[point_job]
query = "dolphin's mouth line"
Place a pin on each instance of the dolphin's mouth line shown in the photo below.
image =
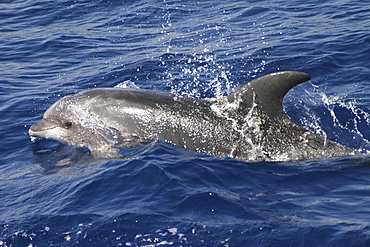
(32, 132)
(35, 134)
(38, 132)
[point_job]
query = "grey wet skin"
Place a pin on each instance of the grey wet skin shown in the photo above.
(248, 124)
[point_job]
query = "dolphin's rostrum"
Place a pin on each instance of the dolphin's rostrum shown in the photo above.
(248, 124)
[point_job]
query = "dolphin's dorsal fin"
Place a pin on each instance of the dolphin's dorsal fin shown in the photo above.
(267, 92)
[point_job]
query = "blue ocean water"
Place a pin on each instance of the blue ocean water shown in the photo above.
(55, 195)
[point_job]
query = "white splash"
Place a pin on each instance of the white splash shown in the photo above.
(33, 139)
(127, 84)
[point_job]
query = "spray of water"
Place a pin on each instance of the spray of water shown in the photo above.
(333, 116)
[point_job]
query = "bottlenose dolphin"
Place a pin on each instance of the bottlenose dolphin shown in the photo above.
(248, 124)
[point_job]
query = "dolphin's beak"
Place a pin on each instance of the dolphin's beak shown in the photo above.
(41, 128)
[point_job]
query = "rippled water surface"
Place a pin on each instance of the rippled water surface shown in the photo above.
(55, 195)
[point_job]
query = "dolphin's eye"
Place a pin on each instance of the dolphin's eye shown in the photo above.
(68, 124)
